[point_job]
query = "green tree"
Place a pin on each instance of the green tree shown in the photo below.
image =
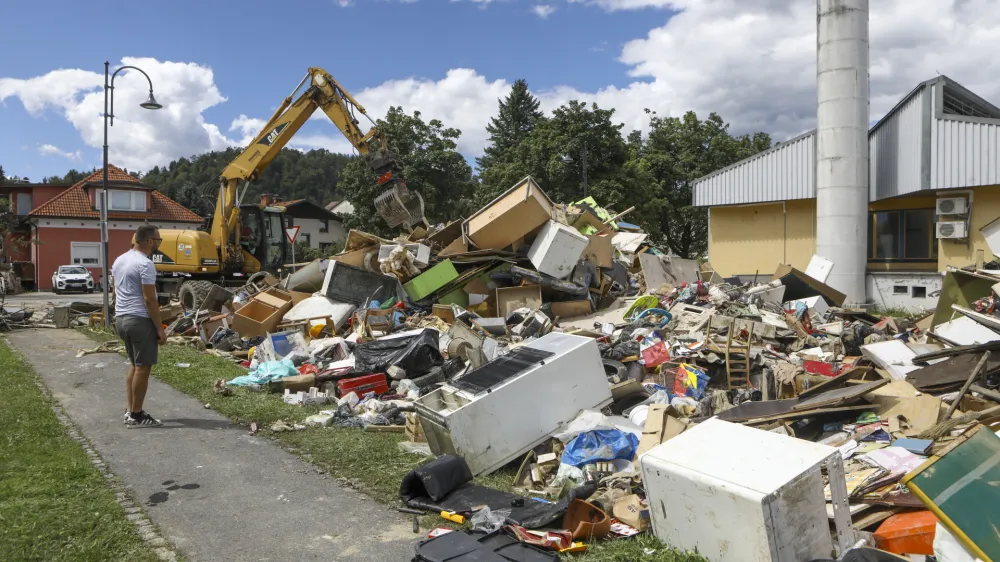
(516, 118)
(432, 166)
(576, 141)
(3, 178)
(678, 151)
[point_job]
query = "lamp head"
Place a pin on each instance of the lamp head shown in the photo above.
(150, 103)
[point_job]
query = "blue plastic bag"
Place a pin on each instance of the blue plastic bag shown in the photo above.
(600, 445)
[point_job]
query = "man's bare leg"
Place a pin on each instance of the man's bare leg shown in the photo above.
(140, 379)
(128, 387)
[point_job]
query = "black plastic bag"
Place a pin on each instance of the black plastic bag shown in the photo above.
(416, 355)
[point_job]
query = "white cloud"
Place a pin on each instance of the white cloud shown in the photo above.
(752, 61)
(543, 10)
(52, 150)
(139, 138)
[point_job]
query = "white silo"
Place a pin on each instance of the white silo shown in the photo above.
(842, 65)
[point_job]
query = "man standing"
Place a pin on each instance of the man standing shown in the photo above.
(137, 319)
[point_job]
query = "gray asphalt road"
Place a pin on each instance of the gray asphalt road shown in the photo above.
(214, 491)
(47, 299)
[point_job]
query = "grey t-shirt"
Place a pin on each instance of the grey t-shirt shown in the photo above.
(131, 271)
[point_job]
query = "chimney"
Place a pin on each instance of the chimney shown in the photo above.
(842, 67)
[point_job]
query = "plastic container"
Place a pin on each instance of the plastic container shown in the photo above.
(907, 533)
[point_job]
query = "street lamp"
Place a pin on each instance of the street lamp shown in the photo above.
(150, 103)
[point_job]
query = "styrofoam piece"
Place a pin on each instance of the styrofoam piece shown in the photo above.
(318, 306)
(893, 356)
(819, 268)
(966, 331)
(556, 249)
(739, 494)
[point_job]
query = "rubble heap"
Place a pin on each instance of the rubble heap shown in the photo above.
(626, 389)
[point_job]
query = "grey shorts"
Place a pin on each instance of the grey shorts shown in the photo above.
(139, 335)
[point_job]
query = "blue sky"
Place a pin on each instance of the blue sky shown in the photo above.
(221, 67)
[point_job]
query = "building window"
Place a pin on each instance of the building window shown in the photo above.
(900, 236)
(900, 290)
(23, 203)
(324, 225)
(122, 200)
(304, 237)
(919, 292)
(85, 253)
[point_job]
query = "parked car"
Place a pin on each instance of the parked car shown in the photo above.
(72, 278)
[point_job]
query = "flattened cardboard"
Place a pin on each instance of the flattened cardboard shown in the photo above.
(599, 251)
(798, 285)
(571, 309)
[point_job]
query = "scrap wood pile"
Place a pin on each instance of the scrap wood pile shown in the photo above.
(622, 388)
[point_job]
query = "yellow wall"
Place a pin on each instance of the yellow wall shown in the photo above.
(985, 209)
(757, 238)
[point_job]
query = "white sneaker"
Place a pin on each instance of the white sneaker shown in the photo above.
(142, 420)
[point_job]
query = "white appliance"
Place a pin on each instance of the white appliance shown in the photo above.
(952, 229)
(739, 494)
(951, 206)
(497, 412)
(556, 249)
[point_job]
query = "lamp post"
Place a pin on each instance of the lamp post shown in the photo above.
(150, 103)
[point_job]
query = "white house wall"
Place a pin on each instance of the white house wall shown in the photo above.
(882, 290)
(335, 233)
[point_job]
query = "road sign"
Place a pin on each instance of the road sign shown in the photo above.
(292, 233)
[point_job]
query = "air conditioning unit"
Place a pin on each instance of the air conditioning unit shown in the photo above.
(952, 229)
(952, 206)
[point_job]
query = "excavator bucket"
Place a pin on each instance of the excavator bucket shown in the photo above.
(399, 206)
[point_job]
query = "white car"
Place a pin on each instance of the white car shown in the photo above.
(72, 278)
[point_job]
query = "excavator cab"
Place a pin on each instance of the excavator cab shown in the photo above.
(263, 235)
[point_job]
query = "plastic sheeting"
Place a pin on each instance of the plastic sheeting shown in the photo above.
(414, 354)
(600, 445)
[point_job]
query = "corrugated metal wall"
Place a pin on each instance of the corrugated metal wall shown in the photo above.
(782, 173)
(964, 154)
(895, 149)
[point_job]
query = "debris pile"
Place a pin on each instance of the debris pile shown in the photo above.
(626, 390)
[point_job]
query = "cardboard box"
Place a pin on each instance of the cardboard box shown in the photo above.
(510, 299)
(571, 309)
(262, 314)
(521, 210)
(599, 250)
(662, 424)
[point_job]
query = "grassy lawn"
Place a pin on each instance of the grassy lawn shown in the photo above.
(54, 505)
(369, 462)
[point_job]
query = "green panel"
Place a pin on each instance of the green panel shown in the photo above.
(458, 296)
(431, 280)
(959, 288)
(963, 485)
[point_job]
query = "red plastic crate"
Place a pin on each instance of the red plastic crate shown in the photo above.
(361, 385)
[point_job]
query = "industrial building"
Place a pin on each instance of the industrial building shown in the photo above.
(933, 174)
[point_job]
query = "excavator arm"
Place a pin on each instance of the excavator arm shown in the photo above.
(397, 205)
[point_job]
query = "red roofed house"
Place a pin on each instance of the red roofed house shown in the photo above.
(63, 226)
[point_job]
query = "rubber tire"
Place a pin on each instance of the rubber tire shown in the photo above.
(613, 368)
(194, 292)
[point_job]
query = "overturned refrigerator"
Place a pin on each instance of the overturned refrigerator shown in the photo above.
(499, 411)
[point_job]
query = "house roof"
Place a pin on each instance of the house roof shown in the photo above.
(75, 202)
(306, 209)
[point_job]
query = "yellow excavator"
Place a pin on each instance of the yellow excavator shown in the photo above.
(244, 239)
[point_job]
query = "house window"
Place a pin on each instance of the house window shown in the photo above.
(324, 225)
(901, 236)
(23, 203)
(304, 237)
(85, 253)
(122, 200)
